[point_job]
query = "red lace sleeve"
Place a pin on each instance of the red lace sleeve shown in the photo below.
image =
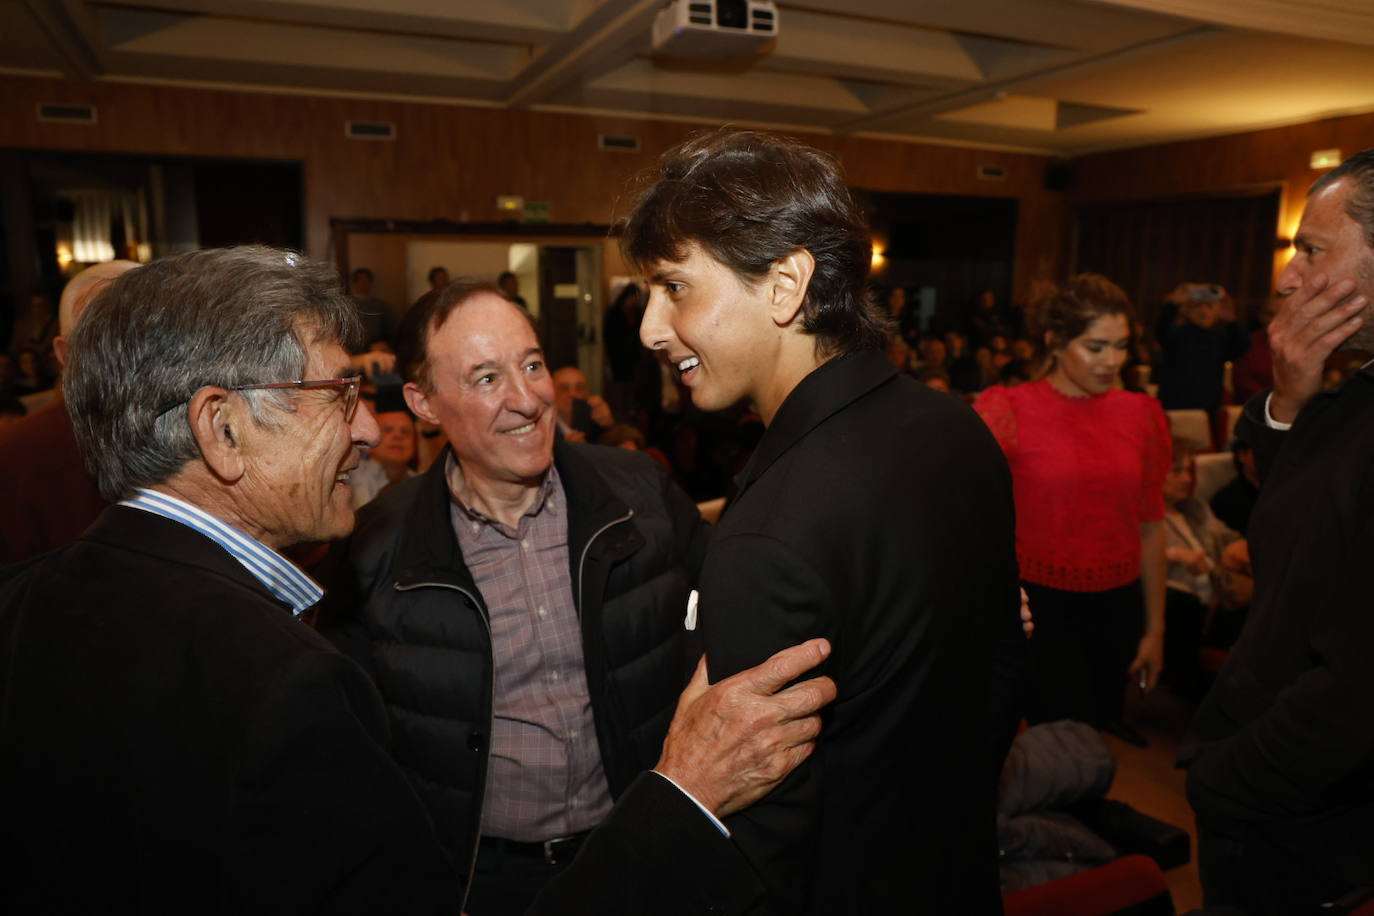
(994, 406)
(1158, 458)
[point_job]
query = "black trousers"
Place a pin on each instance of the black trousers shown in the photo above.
(506, 885)
(1083, 644)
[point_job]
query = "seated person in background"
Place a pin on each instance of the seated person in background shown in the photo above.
(964, 374)
(1207, 572)
(166, 721)
(622, 435)
(1198, 334)
(1234, 502)
(898, 353)
(582, 416)
(393, 458)
(11, 410)
(934, 377)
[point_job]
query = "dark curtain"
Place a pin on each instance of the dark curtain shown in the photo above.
(1150, 247)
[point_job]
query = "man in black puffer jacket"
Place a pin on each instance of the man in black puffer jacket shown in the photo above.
(520, 605)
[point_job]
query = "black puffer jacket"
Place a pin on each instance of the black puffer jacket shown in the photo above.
(402, 602)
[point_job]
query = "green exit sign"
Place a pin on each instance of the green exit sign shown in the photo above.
(535, 212)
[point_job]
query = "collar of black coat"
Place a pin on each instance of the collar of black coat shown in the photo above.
(427, 549)
(827, 390)
(145, 533)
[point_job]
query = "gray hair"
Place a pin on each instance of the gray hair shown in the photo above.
(160, 333)
(1359, 206)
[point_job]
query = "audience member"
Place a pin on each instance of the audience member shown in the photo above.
(932, 352)
(898, 353)
(1206, 572)
(555, 630)
(964, 374)
(168, 725)
(988, 319)
(620, 335)
(904, 313)
(35, 326)
(1016, 372)
(1198, 334)
(933, 376)
(510, 288)
(1253, 371)
(921, 594)
(30, 374)
(438, 279)
(622, 435)
(1088, 461)
(582, 416)
(11, 410)
(1234, 501)
(375, 313)
(1280, 755)
(47, 496)
(392, 459)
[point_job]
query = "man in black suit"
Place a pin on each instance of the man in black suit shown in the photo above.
(174, 739)
(875, 512)
(1281, 752)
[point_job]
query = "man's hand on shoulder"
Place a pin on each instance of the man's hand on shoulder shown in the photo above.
(730, 743)
(1313, 321)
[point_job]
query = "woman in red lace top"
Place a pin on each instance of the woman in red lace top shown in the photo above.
(1088, 463)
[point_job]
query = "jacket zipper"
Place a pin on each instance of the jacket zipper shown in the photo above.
(582, 560)
(491, 692)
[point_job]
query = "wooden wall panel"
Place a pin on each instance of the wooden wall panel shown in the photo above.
(451, 162)
(1274, 158)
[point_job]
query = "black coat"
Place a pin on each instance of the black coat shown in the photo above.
(1281, 751)
(877, 513)
(403, 603)
(173, 740)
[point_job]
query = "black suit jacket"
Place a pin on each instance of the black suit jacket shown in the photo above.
(878, 513)
(1281, 751)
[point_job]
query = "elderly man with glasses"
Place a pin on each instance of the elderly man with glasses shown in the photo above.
(172, 737)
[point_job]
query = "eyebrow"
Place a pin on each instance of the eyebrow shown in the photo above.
(496, 364)
(663, 273)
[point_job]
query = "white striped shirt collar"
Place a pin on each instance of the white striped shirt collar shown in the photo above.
(278, 575)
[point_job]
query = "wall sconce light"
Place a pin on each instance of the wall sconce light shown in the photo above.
(1325, 159)
(879, 259)
(64, 256)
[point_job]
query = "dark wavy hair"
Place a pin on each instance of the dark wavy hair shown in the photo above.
(749, 199)
(1065, 312)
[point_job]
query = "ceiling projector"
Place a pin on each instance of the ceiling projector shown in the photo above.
(715, 28)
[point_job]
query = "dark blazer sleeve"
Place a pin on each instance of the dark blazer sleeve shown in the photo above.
(656, 853)
(759, 597)
(321, 818)
(1310, 750)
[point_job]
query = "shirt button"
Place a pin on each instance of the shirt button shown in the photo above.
(572, 733)
(553, 675)
(525, 543)
(543, 612)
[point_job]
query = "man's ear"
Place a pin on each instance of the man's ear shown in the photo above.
(418, 399)
(217, 422)
(60, 349)
(790, 278)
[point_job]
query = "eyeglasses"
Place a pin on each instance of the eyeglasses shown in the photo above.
(347, 388)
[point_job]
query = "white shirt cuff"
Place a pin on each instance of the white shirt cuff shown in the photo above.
(715, 820)
(1269, 420)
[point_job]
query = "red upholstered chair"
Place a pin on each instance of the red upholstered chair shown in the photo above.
(1132, 884)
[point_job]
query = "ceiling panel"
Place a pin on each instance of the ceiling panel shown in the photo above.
(1058, 76)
